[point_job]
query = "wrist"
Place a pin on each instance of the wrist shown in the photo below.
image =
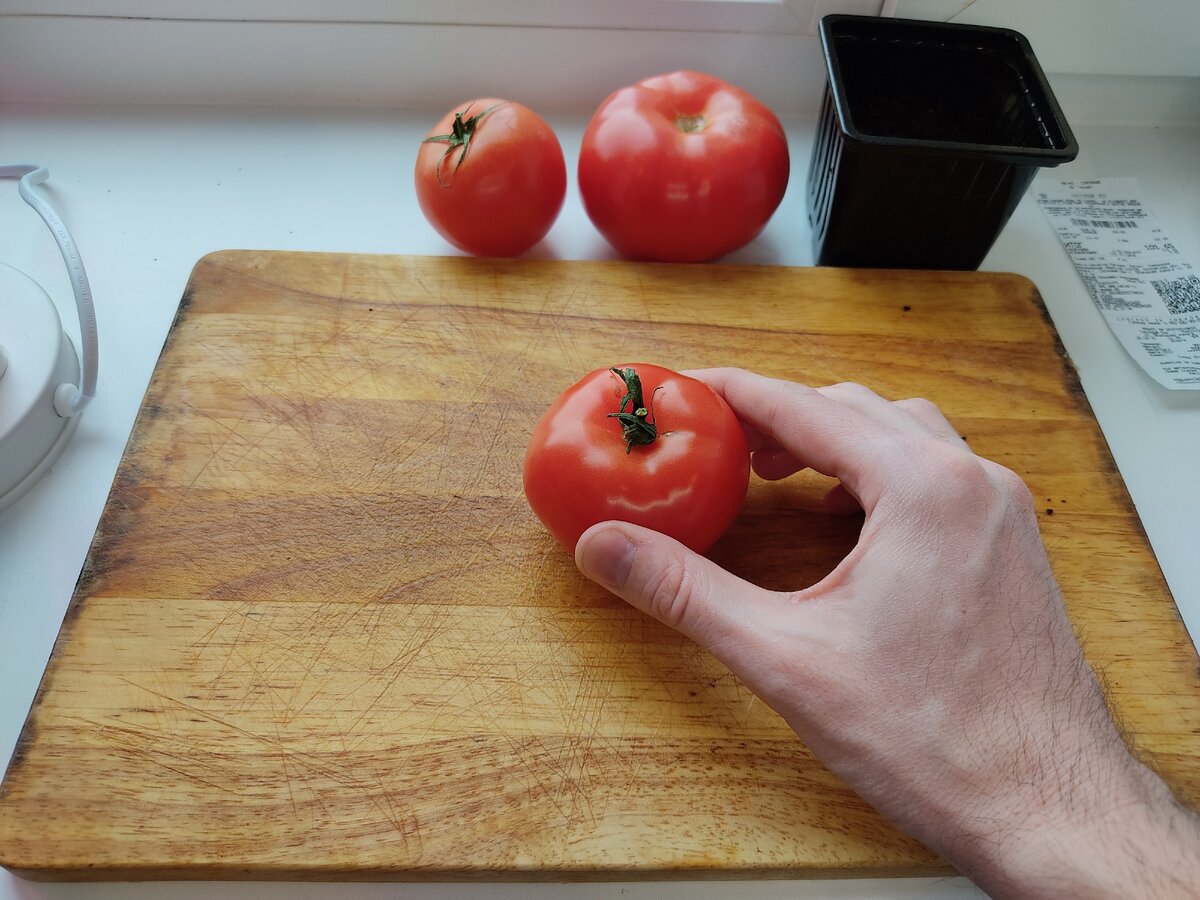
(1103, 826)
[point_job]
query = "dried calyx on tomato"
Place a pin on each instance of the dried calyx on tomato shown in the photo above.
(460, 135)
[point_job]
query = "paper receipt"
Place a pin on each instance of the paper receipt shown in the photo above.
(1148, 294)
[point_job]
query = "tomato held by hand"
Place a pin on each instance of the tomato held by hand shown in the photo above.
(682, 168)
(491, 177)
(641, 444)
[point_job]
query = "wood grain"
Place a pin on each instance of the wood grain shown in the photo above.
(320, 635)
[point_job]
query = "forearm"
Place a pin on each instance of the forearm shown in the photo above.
(1118, 832)
(1037, 795)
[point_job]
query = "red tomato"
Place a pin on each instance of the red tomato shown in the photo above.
(491, 177)
(682, 168)
(675, 459)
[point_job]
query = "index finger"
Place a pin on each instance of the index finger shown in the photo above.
(828, 436)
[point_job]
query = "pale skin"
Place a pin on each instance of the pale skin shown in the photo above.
(935, 669)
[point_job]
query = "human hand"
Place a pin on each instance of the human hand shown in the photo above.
(935, 668)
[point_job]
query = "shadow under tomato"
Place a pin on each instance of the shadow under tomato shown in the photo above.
(785, 539)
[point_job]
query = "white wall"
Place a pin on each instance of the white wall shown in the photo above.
(1115, 37)
(547, 53)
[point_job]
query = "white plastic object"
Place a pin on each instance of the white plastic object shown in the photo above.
(41, 388)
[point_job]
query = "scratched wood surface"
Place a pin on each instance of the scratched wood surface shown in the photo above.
(319, 634)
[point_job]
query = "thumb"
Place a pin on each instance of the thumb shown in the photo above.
(663, 578)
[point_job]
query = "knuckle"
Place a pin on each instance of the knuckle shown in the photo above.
(1014, 488)
(959, 473)
(780, 410)
(670, 593)
(920, 406)
(852, 388)
(945, 479)
(970, 481)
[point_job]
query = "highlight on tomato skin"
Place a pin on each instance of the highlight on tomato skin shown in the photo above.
(491, 177)
(655, 448)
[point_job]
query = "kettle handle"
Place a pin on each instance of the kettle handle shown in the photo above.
(69, 399)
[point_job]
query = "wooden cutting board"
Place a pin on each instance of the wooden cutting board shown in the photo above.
(319, 635)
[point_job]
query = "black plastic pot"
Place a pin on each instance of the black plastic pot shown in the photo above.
(930, 134)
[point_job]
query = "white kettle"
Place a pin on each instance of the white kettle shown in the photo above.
(44, 385)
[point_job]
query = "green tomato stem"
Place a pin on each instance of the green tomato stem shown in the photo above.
(636, 425)
(460, 135)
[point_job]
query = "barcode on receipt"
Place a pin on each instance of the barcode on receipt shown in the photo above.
(1105, 223)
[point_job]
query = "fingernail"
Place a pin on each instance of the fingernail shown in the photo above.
(607, 557)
